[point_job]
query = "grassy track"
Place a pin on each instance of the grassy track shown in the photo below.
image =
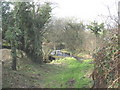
(64, 73)
(74, 74)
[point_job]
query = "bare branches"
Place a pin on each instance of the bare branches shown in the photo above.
(114, 82)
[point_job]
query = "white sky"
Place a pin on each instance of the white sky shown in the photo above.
(86, 10)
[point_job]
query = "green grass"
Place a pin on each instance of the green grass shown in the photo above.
(74, 75)
(63, 73)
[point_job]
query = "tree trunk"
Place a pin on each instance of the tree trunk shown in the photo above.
(14, 55)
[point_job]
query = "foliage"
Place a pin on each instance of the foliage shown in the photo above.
(100, 33)
(26, 31)
(7, 17)
(106, 72)
(96, 28)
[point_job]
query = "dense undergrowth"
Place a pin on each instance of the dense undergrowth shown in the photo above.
(107, 64)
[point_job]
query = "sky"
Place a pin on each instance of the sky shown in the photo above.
(85, 10)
